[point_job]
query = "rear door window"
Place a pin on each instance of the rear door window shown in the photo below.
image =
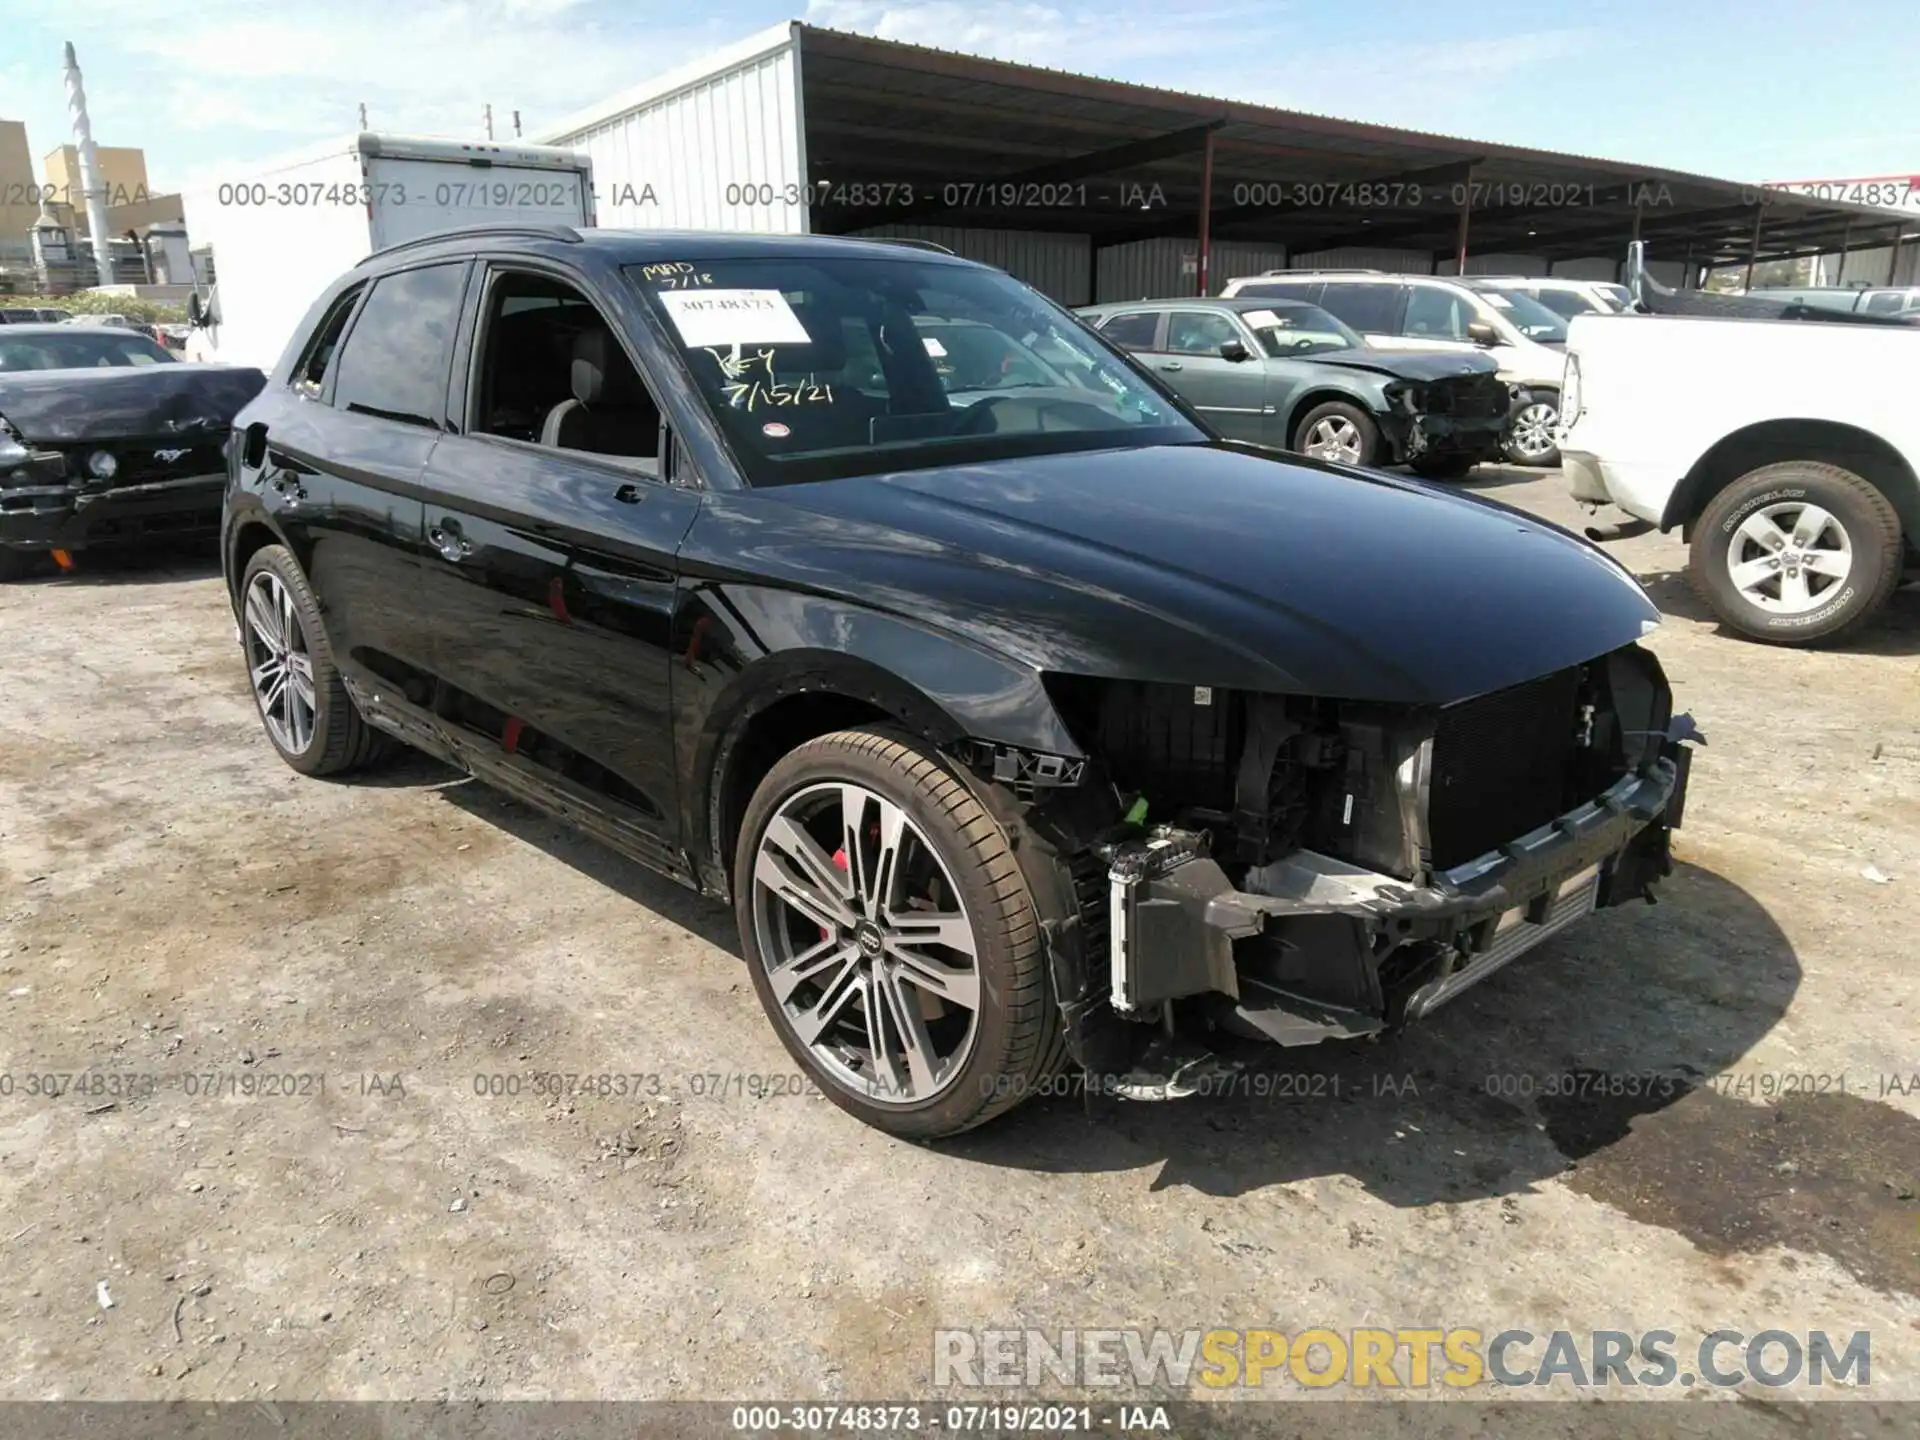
(1369, 306)
(1132, 330)
(395, 360)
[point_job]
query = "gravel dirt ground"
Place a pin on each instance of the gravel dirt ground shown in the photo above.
(344, 1182)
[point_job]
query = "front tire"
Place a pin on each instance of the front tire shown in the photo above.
(891, 936)
(1796, 553)
(303, 703)
(1339, 432)
(16, 563)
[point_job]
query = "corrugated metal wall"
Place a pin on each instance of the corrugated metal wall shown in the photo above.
(1356, 257)
(1496, 264)
(725, 152)
(1169, 266)
(1059, 266)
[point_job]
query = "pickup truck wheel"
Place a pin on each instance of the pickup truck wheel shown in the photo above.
(891, 936)
(1796, 552)
(1530, 439)
(1442, 467)
(16, 563)
(303, 703)
(1338, 431)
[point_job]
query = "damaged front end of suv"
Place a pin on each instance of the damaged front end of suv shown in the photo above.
(1293, 869)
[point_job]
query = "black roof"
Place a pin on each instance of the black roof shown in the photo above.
(909, 115)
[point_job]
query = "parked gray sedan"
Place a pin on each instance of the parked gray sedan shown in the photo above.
(1289, 375)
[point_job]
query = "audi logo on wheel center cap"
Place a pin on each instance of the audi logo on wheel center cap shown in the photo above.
(867, 937)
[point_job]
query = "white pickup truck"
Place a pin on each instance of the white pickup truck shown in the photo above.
(1786, 450)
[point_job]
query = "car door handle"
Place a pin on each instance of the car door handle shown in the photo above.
(447, 538)
(1171, 365)
(629, 494)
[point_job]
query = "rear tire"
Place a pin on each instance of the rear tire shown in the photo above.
(303, 702)
(15, 563)
(868, 841)
(1337, 431)
(1796, 553)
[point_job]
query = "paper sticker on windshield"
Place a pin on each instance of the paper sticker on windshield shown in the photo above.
(1263, 320)
(733, 317)
(1499, 300)
(934, 347)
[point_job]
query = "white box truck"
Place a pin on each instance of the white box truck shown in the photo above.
(284, 232)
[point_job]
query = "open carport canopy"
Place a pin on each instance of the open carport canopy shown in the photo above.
(983, 143)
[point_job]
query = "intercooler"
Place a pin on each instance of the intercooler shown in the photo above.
(1500, 766)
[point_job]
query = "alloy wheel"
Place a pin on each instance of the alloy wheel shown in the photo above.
(278, 663)
(868, 947)
(1333, 437)
(1789, 558)
(1530, 436)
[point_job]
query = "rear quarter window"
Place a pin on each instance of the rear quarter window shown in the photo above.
(396, 357)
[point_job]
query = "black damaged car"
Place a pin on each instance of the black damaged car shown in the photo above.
(106, 439)
(1023, 729)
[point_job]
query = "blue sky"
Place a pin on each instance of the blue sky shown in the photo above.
(1763, 89)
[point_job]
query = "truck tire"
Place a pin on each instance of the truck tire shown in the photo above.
(1796, 553)
(891, 936)
(16, 563)
(1338, 431)
(303, 703)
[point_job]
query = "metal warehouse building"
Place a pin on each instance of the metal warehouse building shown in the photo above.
(1096, 190)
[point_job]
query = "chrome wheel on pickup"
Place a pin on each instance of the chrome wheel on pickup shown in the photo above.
(891, 937)
(1797, 552)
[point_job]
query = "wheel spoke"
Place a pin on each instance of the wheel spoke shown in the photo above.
(814, 885)
(1834, 563)
(956, 984)
(1794, 594)
(813, 1022)
(289, 625)
(1751, 574)
(829, 959)
(265, 621)
(902, 1011)
(264, 672)
(275, 694)
(1760, 529)
(1811, 525)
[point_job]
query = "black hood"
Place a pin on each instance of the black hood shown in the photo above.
(1425, 366)
(63, 407)
(1212, 565)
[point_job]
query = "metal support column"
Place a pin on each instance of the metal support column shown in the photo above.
(1205, 267)
(1753, 250)
(1893, 254)
(1466, 208)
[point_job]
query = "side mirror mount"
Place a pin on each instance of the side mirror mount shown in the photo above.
(1482, 333)
(1234, 350)
(196, 313)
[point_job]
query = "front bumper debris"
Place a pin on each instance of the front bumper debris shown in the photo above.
(52, 510)
(1331, 928)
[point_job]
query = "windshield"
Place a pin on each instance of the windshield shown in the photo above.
(1568, 303)
(1288, 330)
(79, 349)
(819, 367)
(1526, 314)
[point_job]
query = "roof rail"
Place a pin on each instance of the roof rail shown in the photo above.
(566, 233)
(1326, 270)
(908, 240)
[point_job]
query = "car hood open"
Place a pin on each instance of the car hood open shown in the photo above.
(1425, 366)
(1213, 565)
(63, 407)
